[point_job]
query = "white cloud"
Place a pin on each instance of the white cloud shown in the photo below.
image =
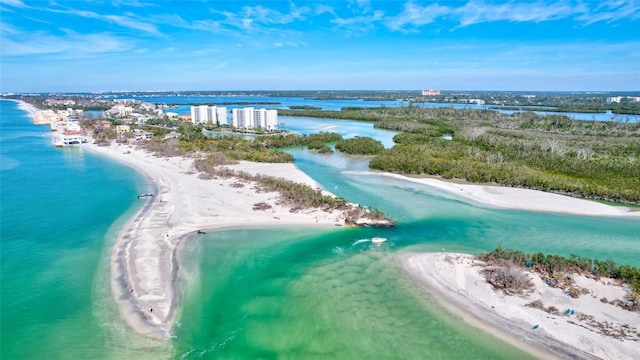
(612, 11)
(131, 3)
(473, 12)
(323, 8)
(124, 21)
(14, 3)
(359, 24)
(71, 44)
(479, 12)
(260, 14)
(415, 15)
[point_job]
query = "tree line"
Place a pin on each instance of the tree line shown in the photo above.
(590, 159)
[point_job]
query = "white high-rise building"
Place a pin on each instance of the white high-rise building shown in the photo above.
(199, 114)
(250, 118)
(202, 114)
(221, 116)
(270, 119)
(242, 118)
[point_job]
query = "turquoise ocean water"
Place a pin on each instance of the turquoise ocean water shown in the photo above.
(251, 293)
(59, 212)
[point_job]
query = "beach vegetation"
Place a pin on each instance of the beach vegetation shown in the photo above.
(295, 195)
(216, 151)
(557, 271)
(287, 140)
(507, 277)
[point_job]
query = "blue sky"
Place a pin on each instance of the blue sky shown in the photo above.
(66, 46)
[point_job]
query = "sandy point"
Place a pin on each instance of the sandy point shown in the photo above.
(144, 266)
(593, 330)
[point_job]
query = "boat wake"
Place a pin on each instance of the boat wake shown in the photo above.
(361, 241)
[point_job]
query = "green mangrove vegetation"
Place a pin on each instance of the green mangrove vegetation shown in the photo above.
(590, 159)
(360, 146)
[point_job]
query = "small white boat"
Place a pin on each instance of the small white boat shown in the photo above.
(377, 240)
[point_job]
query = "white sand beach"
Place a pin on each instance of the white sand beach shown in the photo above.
(595, 329)
(28, 108)
(523, 199)
(144, 267)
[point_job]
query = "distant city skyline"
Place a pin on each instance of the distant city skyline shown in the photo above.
(137, 45)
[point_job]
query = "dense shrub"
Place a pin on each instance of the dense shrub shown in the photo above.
(360, 146)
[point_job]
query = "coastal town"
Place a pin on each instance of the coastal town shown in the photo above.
(132, 120)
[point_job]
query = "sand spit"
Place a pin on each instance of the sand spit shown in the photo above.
(595, 329)
(144, 267)
(523, 199)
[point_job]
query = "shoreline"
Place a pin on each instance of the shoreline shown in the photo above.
(143, 263)
(453, 279)
(520, 199)
(31, 110)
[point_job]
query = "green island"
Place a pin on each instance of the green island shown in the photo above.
(588, 159)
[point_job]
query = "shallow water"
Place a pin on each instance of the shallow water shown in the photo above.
(285, 293)
(307, 294)
(57, 213)
(297, 294)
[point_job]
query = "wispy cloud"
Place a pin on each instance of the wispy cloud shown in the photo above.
(263, 15)
(611, 11)
(132, 3)
(415, 15)
(127, 20)
(475, 12)
(71, 44)
(14, 3)
(359, 24)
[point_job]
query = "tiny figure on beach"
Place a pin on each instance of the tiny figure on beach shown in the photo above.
(150, 309)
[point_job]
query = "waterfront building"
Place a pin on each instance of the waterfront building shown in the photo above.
(242, 118)
(202, 114)
(250, 118)
(221, 115)
(71, 138)
(430, 92)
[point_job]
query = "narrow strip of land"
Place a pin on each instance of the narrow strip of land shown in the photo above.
(544, 321)
(144, 262)
(523, 199)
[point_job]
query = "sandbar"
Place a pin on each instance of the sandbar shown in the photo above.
(143, 265)
(521, 199)
(592, 331)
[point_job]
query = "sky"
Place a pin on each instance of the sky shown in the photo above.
(138, 45)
